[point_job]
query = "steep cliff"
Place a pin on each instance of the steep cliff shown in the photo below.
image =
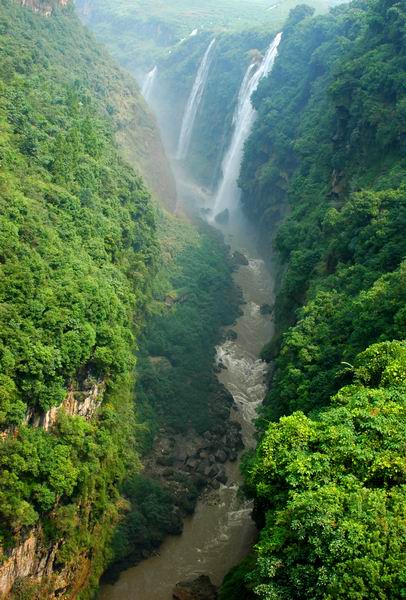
(324, 172)
(134, 125)
(44, 7)
(77, 251)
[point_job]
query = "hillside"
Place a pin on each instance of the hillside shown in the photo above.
(91, 271)
(328, 149)
(78, 249)
(140, 32)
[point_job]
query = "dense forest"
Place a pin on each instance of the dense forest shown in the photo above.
(115, 296)
(78, 248)
(328, 476)
(92, 275)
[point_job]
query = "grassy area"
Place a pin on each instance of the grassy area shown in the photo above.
(140, 32)
(187, 15)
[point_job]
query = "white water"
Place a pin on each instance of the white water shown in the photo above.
(148, 84)
(228, 193)
(220, 533)
(193, 103)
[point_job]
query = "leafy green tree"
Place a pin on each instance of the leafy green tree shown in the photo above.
(333, 491)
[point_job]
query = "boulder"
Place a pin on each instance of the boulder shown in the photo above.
(211, 471)
(222, 476)
(240, 259)
(221, 456)
(165, 461)
(203, 466)
(198, 589)
(192, 464)
(266, 309)
(180, 455)
(231, 335)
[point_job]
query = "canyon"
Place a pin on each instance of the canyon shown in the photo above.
(202, 356)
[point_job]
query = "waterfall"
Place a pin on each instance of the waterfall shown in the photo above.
(228, 193)
(148, 84)
(192, 106)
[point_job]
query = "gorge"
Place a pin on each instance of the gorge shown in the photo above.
(203, 365)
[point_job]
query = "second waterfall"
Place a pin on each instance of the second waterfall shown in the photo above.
(244, 116)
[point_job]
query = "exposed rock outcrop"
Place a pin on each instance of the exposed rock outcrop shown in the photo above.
(43, 6)
(223, 217)
(83, 404)
(240, 259)
(32, 562)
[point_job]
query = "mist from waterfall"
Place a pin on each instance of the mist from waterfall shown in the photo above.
(229, 193)
(193, 103)
(148, 84)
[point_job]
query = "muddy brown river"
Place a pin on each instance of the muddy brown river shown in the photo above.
(221, 531)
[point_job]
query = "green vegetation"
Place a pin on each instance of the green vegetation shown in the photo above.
(177, 389)
(144, 34)
(333, 488)
(182, 389)
(339, 162)
(328, 148)
(77, 249)
(140, 32)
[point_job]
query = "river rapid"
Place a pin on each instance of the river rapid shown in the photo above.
(221, 531)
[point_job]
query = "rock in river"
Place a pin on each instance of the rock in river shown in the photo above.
(240, 259)
(199, 589)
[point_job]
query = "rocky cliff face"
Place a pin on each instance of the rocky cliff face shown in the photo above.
(31, 563)
(30, 571)
(44, 7)
(28, 560)
(84, 404)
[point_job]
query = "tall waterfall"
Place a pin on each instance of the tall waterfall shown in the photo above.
(148, 84)
(228, 193)
(192, 107)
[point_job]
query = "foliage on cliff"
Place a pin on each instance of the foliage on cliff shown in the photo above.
(333, 488)
(329, 149)
(194, 296)
(140, 32)
(77, 247)
(330, 142)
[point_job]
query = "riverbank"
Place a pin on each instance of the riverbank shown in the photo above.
(220, 532)
(185, 434)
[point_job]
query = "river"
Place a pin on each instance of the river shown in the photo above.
(221, 531)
